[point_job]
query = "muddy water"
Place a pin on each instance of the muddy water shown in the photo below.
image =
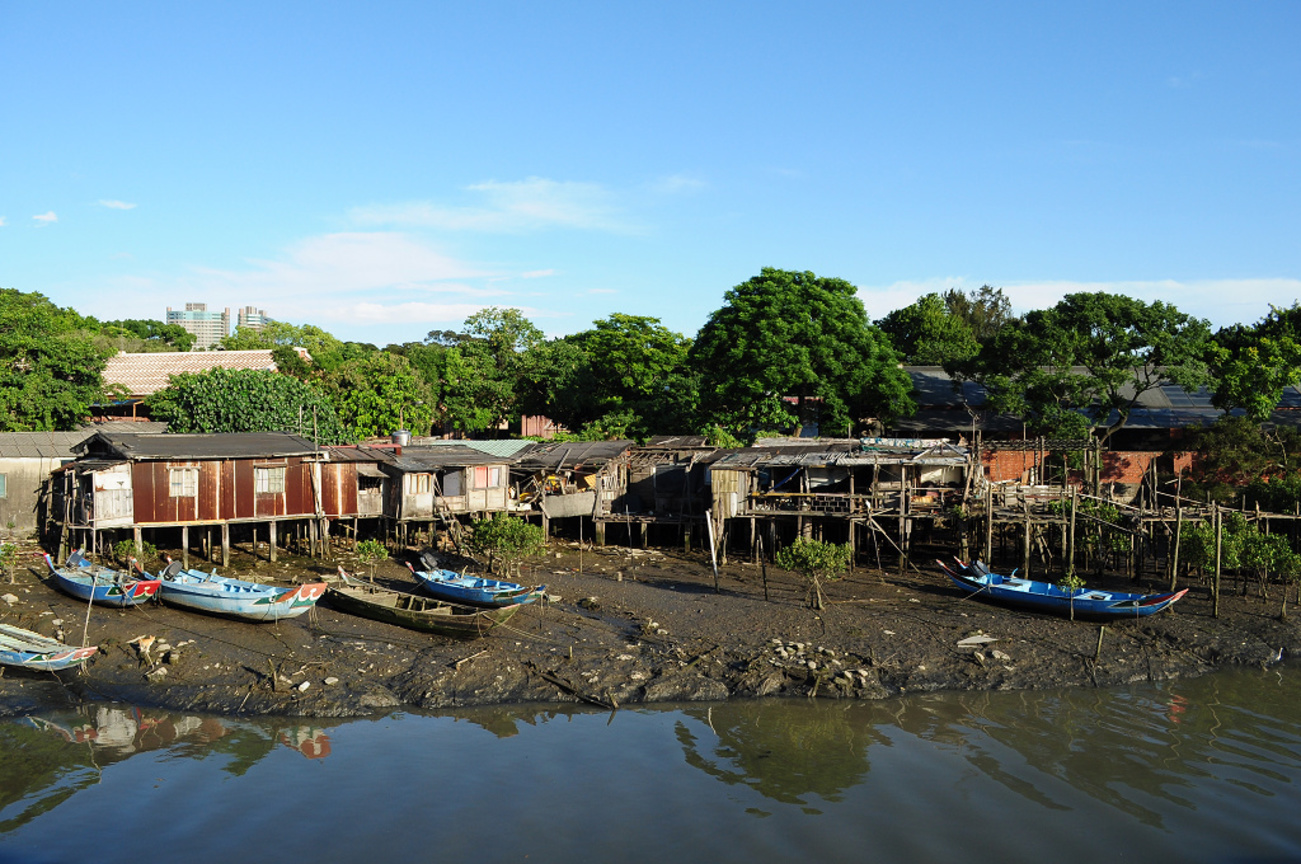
(1203, 770)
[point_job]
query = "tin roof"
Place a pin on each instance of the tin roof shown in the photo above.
(506, 448)
(218, 446)
(552, 456)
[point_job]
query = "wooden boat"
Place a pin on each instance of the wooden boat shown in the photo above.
(454, 587)
(102, 585)
(23, 648)
(235, 598)
(414, 611)
(1086, 603)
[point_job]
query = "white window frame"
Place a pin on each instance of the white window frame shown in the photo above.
(269, 479)
(183, 482)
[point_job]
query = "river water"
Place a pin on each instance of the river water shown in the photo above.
(1200, 770)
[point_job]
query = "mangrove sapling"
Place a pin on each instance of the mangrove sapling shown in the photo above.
(1073, 584)
(370, 552)
(817, 562)
(8, 558)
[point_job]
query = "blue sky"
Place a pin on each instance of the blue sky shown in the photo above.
(383, 169)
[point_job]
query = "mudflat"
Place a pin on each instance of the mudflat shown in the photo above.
(627, 626)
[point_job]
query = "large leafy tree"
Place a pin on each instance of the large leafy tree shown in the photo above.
(245, 400)
(378, 394)
(926, 333)
(984, 310)
(326, 351)
(483, 375)
(786, 335)
(146, 335)
(1088, 361)
(50, 368)
(1252, 365)
(627, 376)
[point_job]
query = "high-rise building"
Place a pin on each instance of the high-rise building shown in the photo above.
(251, 318)
(208, 328)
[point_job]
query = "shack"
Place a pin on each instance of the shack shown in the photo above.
(175, 483)
(836, 488)
(575, 480)
(437, 485)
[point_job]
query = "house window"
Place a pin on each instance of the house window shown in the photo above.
(422, 484)
(487, 476)
(4, 486)
(183, 482)
(269, 480)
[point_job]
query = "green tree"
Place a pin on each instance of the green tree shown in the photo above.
(508, 540)
(8, 560)
(245, 400)
(136, 335)
(1252, 365)
(926, 333)
(817, 562)
(785, 335)
(1088, 361)
(483, 375)
(378, 394)
(50, 368)
(984, 310)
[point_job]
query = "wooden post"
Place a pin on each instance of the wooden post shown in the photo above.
(139, 541)
(271, 541)
(1179, 526)
(1219, 547)
(1075, 500)
(763, 568)
(185, 546)
(989, 522)
(1025, 557)
(225, 544)
(713, 555)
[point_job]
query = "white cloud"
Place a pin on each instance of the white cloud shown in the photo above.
(116, 205)
(526, 205)
(537, 274)
(1221, 301)
(46, 218)
(2, 222)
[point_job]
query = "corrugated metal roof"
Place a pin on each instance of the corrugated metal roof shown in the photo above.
(41, 445)
(570, 454)
(502, 447)
(430, 458)
(218, 446)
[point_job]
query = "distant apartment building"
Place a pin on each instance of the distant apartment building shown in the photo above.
(208, 328)
(251, 318)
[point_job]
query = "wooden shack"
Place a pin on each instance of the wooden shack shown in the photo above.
(575, 480)
(838, 488)
(138, 483)
(439, 485)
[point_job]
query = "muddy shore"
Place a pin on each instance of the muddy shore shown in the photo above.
(623, 627)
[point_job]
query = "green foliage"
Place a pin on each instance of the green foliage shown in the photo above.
(984, 310)
(378, 394)
(136, 335)
(50, 368)
(817, 562)
(1090, 357)
(786, 335)
(507, 539)
(482, 383)
(245, 400)
(1252, 365)
(928, 334)
(125, 550)
(1236, 456)
(369, 552)
(8, 559)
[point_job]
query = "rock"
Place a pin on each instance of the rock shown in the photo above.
(302, 688)
(10, 599)
(331, 681)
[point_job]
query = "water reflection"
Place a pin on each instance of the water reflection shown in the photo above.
(48, 758)
(1204, 769)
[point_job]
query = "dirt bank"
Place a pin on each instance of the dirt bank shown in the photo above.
(624, 627)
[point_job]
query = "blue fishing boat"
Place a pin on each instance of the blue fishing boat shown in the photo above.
(456, 587)
(105, 586)
(28, 650)
(1085, 603)
(235, 598)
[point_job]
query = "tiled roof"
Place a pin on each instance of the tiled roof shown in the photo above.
(143, 374)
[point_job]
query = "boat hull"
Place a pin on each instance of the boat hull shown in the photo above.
(453, 587)
(101, 586)
(236, 598)
(1083, 603)
(28, 650)
(415, 612)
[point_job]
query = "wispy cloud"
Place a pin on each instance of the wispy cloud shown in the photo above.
(116, 205)
(3, 223)
(527, 205)
(47, 218)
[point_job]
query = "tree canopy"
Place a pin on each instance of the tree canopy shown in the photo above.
(245, 400)
(1088, 360)
(783, 338)
(926, 333)
(1252, 365)
(50, 368)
